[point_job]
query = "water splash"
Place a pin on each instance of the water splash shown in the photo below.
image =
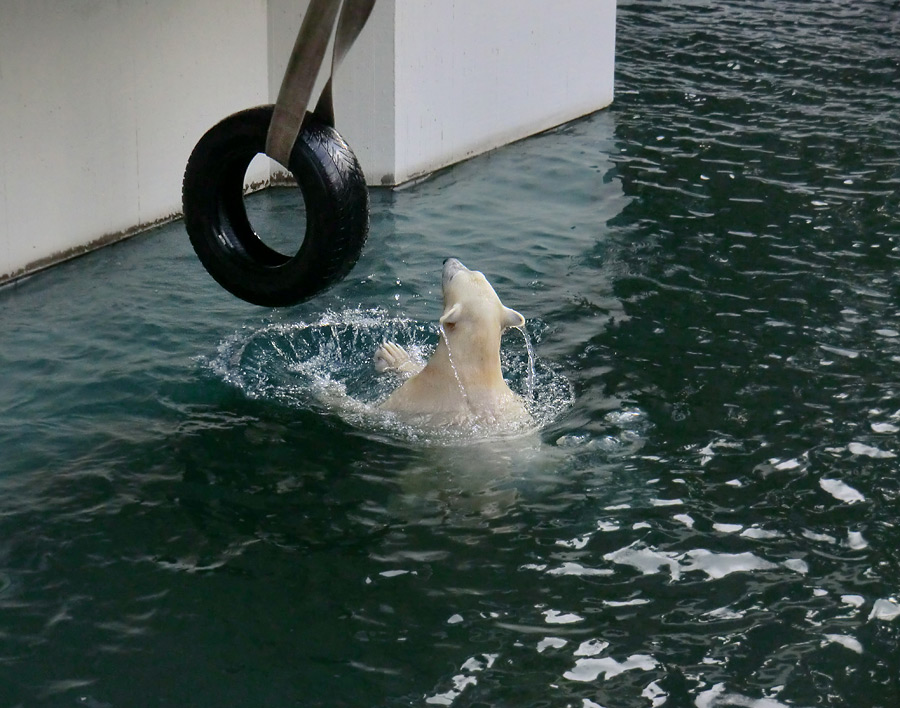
(326, 366)
(529, 377)
(462, 389)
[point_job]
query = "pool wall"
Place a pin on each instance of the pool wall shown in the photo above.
(103, 102)
(433, 82)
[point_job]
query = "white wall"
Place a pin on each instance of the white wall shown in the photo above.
(432, 82)
(102, 101)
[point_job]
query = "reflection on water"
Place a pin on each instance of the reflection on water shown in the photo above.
(707, 516)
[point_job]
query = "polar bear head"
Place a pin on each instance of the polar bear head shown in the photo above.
(473, 319)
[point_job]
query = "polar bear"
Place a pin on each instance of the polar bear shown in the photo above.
(462, 383)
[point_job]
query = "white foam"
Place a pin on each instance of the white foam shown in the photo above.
(885, 428)
(655, 694)
(757, 532)
(718, 565)
(576, 543)
(591, 647)
(841, 491)
(686, 519)
(887, 610)
(716, 696)
(646, 560)
(856, 541)
(590, 669)
(797, 565)
(556, 617)
(857, 448)
(571, 568)
(844, 640)
(550, 643)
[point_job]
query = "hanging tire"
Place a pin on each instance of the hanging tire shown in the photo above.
(337, 210)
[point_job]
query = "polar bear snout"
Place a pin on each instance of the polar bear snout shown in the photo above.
(452, 266)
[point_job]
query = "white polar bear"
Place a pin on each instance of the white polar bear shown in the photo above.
(462, 383)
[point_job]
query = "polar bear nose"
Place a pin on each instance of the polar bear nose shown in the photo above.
(452, 266)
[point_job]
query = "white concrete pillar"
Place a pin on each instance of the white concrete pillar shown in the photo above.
(100, 105)
(432, 82)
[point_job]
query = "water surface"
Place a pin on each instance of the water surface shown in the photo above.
(709, 517)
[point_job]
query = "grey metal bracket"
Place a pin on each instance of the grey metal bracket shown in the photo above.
(305, 64)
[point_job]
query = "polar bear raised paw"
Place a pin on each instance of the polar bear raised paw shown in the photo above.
(392, 357)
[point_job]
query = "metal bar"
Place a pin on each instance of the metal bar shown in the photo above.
(353, 18)
(300, 78)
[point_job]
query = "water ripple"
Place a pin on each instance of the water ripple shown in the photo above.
(710, 273)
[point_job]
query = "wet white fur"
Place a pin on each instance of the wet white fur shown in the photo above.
(462, 383)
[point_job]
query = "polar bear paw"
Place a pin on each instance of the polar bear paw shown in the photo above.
(392, 357)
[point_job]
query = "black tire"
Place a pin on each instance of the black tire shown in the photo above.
(337, 210)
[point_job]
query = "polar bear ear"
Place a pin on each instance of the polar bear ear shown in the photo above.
(451, 316)
(511, 318)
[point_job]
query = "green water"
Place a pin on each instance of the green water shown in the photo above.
(707, 517)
